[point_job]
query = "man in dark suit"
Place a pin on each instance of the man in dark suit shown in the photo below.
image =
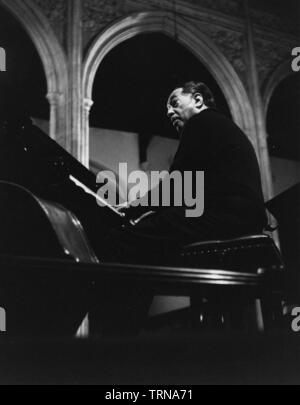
(233, 197)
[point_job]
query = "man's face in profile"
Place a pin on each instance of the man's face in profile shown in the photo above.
(181, 107)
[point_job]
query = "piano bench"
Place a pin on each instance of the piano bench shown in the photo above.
(245, 254)
(254, 254)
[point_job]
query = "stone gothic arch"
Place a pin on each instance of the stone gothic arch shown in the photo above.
(187, 35)
(53, 58)
(279, 74)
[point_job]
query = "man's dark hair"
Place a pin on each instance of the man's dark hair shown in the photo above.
(199, 87)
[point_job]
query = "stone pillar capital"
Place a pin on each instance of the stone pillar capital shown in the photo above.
(55, 98)
(87, 104)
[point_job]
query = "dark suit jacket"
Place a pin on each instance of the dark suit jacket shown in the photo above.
(214, 144)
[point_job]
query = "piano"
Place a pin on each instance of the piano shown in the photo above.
(31, 159)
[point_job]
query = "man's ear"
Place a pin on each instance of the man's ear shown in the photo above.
(199, 100)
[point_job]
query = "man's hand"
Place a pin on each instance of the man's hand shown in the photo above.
(136, 214)
(122, 207)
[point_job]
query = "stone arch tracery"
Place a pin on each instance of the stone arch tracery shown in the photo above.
(280, 73)
(187, 35)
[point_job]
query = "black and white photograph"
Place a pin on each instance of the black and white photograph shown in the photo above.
(149, 195)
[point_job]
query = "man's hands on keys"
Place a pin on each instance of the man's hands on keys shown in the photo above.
(122, 207)
(136, 214)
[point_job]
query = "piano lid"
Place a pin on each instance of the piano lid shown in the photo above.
(28, 154)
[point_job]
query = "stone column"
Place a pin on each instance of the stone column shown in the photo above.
(260, 120)
(256, 99)
(77, 143)
(87, 105)
(57, 130)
